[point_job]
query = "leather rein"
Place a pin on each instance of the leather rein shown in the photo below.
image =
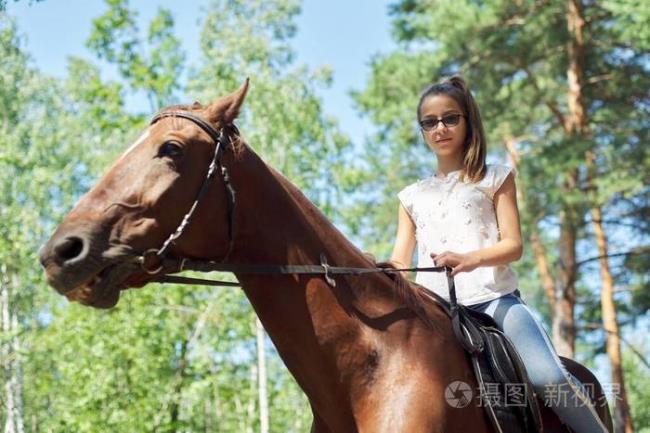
(155, 261)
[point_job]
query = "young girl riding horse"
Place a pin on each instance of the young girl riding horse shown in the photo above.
(465, 217)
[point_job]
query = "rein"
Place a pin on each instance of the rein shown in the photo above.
(155, 261)
(172, 266)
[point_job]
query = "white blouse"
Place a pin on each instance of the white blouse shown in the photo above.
(456, 216)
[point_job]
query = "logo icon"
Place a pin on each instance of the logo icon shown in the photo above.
(458, 394)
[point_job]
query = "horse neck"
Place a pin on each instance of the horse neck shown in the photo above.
(311, 324)
(276, 223)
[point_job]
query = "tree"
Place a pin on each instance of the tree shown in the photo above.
(36, 183)
(282, 120)
(3, 4)
(556, 82)
(167, 358)
(151, 64)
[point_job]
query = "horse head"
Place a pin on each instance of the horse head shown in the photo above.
(142, 199)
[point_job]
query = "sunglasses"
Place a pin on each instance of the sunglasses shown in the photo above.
(448, 120)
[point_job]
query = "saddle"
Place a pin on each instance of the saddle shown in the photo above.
(505, 391)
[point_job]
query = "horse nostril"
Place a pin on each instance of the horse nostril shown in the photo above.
(69, 248)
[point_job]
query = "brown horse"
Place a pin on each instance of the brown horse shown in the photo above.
(364, 358)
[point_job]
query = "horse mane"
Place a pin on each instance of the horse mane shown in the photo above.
(415, 296)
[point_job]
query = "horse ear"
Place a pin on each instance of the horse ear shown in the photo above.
(226, 109)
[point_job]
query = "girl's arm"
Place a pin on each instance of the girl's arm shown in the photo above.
(404, 241)
(507, 249)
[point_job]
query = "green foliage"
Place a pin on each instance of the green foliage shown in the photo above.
(166, 358)
(3, 4)
(515, 58)
(152, 65)
(638, 383)
(282, 119)
(637, 278)
(631, 19)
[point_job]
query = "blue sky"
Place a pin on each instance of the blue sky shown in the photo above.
(341, 34)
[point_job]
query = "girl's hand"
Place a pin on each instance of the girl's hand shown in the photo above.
(457, 262)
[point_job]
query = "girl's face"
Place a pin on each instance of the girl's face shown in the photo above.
(447, 137)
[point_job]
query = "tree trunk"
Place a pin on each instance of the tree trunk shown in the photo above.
(10, 359)
(250, 406)
(216, 398)
(579, 125)
(261, 368)
(564, 328)
(174, 407)
(564, 331)
(622, 415)
(5, 357)
(539, 251)
(18, 377)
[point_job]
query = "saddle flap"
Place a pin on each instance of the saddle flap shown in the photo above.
(500, 370)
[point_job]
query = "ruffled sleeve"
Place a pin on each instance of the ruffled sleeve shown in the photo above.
(494, 177)
(407, 198)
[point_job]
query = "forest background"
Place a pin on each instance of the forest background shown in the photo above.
(563, 86)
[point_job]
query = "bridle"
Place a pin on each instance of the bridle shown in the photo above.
(156, 262)
(153, 260)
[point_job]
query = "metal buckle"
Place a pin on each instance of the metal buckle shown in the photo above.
(328, 278)
(151, 262)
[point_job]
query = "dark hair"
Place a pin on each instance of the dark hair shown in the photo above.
(475, 142)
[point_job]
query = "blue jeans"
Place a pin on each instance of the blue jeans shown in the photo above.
(545, 370)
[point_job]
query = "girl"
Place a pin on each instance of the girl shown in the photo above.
(465, 216)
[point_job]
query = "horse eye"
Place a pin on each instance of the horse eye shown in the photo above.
(170, 149)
